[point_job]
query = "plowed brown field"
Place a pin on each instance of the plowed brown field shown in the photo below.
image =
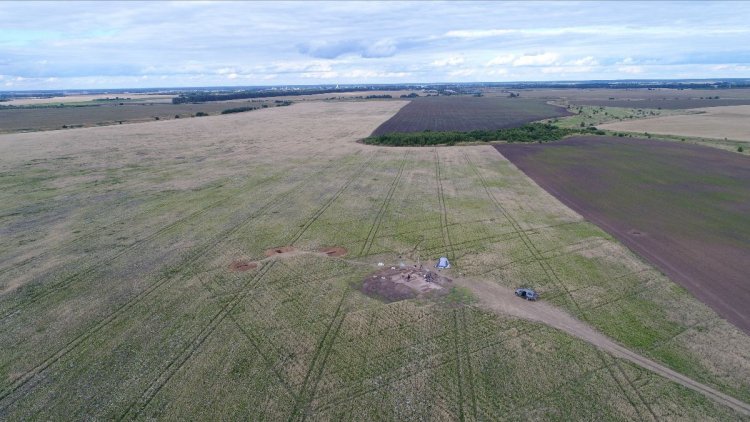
(682, 207)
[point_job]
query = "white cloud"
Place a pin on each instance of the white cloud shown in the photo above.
(462, 72)
(362, 73)
(501, 60)
(497, 72)
(319, 75)
(543, 59)
(585, 61)
(731, 67)
(631, 69)
(566, 69)
(448, 61)
(478, 33)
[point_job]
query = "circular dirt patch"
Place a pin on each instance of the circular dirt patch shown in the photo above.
(242, 266)
(333, 251)
(280, 250)
(405, 283)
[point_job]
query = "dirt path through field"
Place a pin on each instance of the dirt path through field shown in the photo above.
(501, 300)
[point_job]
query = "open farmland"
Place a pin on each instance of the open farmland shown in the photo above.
(87, 98)
(440, 113)
(716, 122)
(51, 118)
(173, 270)
(660, 98)
(682, 207)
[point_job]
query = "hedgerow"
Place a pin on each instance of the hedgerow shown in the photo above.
(531, 132)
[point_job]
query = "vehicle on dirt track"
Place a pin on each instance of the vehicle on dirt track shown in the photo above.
(528, 294)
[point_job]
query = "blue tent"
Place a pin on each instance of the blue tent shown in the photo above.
(443, 263)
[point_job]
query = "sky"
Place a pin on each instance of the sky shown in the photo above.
(89, 45)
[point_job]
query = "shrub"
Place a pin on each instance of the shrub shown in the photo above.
(740, 149)
(201, 114)
(237, 110)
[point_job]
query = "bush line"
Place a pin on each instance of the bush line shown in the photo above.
(530, 132)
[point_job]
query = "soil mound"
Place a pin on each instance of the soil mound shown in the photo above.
(242, 266)
(395, 284)
(333, 251)
(280, 250)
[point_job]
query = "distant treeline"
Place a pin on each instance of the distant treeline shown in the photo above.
(200, 97)
(371, 97)
(531, 132)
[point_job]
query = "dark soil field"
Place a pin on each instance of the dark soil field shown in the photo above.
(35, 119)
(682, 207)
(467, 113)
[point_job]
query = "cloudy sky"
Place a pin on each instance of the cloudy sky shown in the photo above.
(58, 45)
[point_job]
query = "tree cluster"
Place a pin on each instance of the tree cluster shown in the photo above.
(531, 132)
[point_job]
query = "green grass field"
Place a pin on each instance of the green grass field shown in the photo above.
(118, 302)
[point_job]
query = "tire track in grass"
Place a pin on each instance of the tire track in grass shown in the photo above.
(371, 235)
(546, 268)
(305, 397)
(90, 271)
(189, 262)
(459, 374)
(167, 374)
(637, 392)
(443, 211)
(440, 361)
(330, 201)
(190, 349)
(255, 342)
(467, 358)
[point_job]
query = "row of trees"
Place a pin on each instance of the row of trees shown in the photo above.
(531, 132)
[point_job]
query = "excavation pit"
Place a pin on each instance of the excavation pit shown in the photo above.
(401, 283)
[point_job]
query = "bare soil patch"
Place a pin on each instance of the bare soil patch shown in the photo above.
(279, 251)
(242, 266)
(334, 251)
(467, 113)
(396, 283)
(681, 207)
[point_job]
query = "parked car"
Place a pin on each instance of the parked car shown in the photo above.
(528, 294)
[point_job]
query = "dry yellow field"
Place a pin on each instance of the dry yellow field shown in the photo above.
(71, 99)
(731, 122)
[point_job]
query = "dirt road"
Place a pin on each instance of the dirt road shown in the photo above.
(501, 300)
